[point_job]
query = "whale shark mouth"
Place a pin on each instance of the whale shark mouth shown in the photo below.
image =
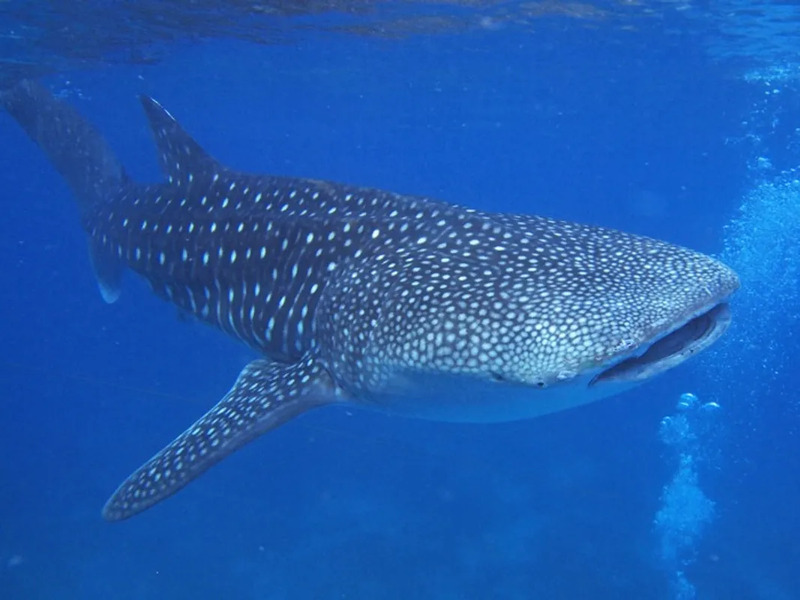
(670, 349)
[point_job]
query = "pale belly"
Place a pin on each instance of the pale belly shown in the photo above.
(470, 399)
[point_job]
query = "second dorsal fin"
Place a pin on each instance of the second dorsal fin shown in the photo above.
(181, 157)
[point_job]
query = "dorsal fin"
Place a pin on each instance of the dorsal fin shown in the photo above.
(181, 157)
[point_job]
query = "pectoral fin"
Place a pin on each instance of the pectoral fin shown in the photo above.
(265, 395)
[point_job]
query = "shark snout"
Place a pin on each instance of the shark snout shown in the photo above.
(697, 324)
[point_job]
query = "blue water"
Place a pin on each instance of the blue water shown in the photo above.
(667, 125)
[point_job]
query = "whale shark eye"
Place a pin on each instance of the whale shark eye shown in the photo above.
(497, 376)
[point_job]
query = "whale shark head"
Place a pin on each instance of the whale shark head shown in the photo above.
(509, 316)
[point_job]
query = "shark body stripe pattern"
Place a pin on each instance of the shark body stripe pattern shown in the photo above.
(358, 295)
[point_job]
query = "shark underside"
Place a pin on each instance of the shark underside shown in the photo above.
(358, 295)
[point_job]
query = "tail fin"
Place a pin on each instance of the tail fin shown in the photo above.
(73, 145)
(80, 154)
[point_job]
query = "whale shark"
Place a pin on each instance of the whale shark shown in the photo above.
(356, 295)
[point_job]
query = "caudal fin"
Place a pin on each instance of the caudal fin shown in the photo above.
(80, 153)
(77, 150)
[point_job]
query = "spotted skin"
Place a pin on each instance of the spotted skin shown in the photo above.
(265, 395)
(534, 298)
(358, 295)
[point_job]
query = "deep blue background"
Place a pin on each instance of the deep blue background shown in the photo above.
(634, 129)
